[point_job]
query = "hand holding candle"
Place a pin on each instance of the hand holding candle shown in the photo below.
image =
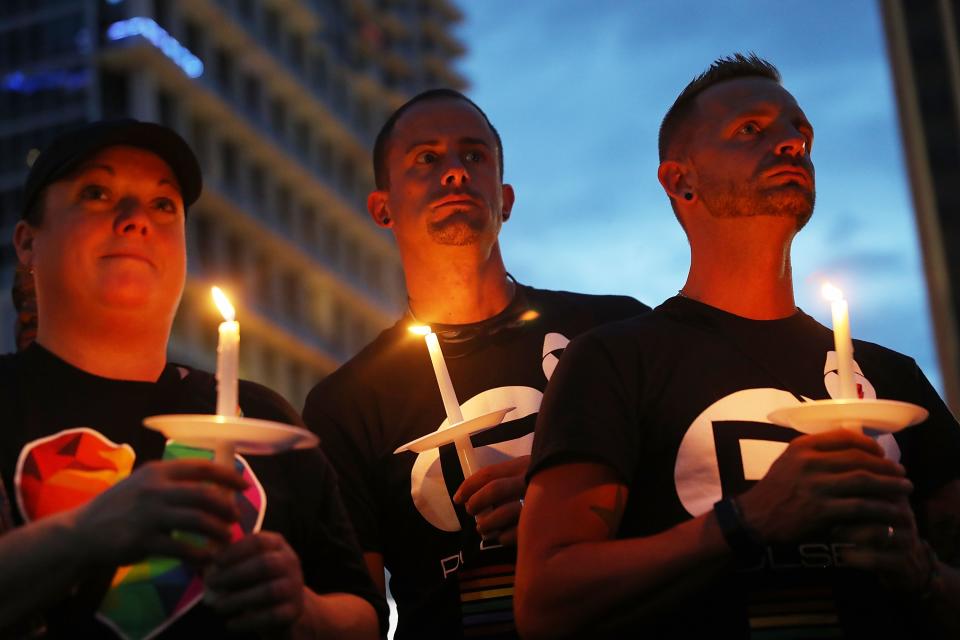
(228, 350)
(450, 403)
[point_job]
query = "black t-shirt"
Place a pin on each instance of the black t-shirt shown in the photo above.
(676, 403)
(401, 504)
(68, 435)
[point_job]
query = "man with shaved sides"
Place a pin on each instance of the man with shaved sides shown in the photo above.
(448, 542)
(111, 530)
(663, 502)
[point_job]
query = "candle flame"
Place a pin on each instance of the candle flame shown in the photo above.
(223, 304)
(420, 329)
(830, 292)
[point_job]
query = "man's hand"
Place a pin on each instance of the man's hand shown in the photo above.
(822, 481)
(257, 584)
(136, 517)
(894, 551)
(492, 495)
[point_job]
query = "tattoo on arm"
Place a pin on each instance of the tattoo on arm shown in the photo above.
(611, 516)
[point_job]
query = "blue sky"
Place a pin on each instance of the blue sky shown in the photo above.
(577, 89)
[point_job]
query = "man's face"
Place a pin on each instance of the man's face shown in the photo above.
(750, 150)
(444, 177)
(112, 235)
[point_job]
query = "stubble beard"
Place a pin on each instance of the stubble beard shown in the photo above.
(458, 229)
(744, 200)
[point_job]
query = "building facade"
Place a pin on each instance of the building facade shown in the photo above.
(281, 100)
(923, 40)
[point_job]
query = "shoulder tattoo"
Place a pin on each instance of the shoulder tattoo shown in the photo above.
(611, 515)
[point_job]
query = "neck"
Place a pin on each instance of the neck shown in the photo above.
(118, 348)
(747, 276)
(457, 287)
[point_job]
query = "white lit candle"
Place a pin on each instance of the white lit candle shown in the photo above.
(843, 344)
(463, 445)
(228, 356)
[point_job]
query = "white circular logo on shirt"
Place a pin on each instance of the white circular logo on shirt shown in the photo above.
(735, 422)
(427, 486)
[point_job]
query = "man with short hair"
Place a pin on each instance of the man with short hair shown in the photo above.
(120, 533)
(439, 171)
(662, 500)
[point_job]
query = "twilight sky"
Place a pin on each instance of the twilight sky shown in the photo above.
(577, 89)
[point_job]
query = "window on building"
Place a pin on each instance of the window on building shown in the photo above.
(325, 156)
(318, 72)
(203, 238)
(268, 364)
(297, 51)
(246, 9)
(278, 116)
(235, 254)
(296, 381)
(285, 207)
(331, 242)
(225, 71)
(272, 28)
(114, 94)
(290, 296)
(302, 139)
(228, 164)
(264, 279)
(351, 258)
(363, 115)
(373, 270)
(200, 139)
(337, 323)
(193, 39)
(348, 175)
(252, 94)
(308, 225)
(161, 14)
(166, 109)
(258, 187)
(361, 332)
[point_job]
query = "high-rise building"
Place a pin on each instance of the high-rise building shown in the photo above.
(923, 39)
(281, 100)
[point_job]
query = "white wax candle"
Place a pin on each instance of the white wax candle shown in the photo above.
(450, 402)
(465, 452)
(228, 357)
(843, 344)
(843, 347)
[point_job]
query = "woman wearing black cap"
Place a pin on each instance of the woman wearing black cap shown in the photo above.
(103, 237)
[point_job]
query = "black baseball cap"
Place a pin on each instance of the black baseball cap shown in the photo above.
(72, 147)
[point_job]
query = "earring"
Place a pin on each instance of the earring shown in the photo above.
(688, 196)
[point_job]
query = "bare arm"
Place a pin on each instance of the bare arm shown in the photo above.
(45, 548)
(571, 572)
(256, 584)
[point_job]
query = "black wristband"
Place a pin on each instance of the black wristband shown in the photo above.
(746, 546)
